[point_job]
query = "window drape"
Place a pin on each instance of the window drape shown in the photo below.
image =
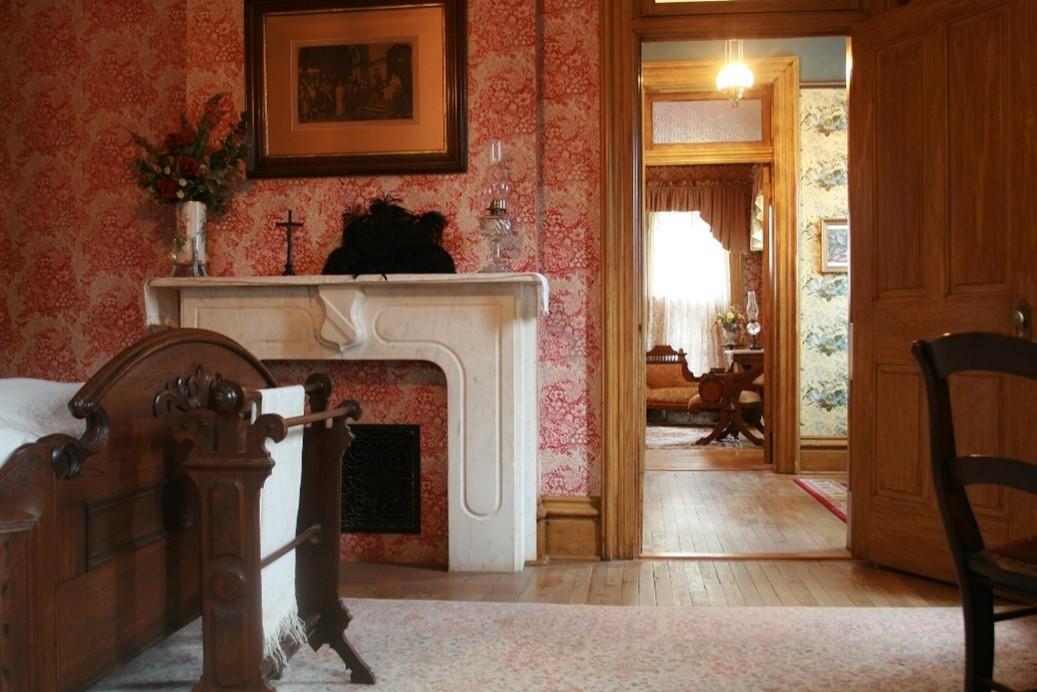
(689, 282)
(724, 206)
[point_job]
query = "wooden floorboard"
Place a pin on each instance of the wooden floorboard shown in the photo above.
(733, 511)
(758, 539)
(705, 459)
(685, 583)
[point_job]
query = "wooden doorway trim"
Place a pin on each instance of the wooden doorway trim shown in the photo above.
(622, 32)
(780, 338)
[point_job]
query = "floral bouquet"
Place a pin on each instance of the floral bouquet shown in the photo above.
(200, 163)
(731, 320)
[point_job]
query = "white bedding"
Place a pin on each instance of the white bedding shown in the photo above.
(30, 409)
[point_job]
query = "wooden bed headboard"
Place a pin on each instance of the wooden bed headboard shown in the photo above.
(96, 566)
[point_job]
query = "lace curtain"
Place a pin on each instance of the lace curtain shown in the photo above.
(689, 282)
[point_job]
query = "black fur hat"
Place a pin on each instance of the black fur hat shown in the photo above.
(388, 239)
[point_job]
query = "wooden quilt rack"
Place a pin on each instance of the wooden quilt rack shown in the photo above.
(105, 547)
(228, 463)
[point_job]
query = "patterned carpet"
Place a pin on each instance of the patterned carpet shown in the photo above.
(684, 437)
(831, 494)
(435, 645)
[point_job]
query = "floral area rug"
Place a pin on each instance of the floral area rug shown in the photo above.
(685, 436)
(831, 494)
(437, 645)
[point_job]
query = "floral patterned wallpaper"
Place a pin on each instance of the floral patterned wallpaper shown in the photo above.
(77, 75)
(824, 298)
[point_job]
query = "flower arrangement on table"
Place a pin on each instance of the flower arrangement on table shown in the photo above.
(200, 162)
(730, 322)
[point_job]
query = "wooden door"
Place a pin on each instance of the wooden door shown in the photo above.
(942, 179)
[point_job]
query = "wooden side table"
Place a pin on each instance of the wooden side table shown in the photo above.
(745, 358)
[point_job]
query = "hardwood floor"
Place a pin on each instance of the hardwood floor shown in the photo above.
(740, 512)
(727, 504)
(659, 583)
(705, 459)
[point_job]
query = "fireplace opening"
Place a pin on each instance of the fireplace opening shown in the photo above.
(381, 480)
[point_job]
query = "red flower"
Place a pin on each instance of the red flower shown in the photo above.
(167, 189)
(188, 166)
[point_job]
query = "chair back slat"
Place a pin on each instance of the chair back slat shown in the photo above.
(937, 360)
(979, 470)
(983, 351)
(666, 367)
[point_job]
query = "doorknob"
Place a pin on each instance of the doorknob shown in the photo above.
(1020, 319)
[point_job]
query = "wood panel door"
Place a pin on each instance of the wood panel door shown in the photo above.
(942, 177)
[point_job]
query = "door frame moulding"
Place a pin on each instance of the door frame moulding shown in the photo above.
(780, 338)
(622, 32)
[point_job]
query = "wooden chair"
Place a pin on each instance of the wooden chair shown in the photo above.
(980, 568)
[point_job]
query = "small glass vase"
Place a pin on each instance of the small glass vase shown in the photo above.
(499, 230)
(189, 257)
(731, 337)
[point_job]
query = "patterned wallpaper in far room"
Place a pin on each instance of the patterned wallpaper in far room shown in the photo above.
(824, 298)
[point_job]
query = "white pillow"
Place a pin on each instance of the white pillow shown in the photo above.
(30, 409)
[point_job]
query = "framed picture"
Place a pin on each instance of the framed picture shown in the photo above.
(835, 245)
(355, 87)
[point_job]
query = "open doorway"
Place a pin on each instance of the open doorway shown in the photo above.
(711, 484)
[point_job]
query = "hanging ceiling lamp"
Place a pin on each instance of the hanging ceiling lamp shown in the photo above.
(735, 76)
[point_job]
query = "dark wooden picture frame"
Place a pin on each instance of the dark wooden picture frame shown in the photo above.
(342, 108)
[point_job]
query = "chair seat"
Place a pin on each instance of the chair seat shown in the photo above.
(1013, 563)
(672, 395)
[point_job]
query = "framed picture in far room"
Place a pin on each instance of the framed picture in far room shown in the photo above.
(835, 245)
(355, 87)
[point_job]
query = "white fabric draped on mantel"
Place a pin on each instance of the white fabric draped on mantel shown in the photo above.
(689, 282)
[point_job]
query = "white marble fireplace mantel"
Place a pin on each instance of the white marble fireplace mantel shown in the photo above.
(481, 329)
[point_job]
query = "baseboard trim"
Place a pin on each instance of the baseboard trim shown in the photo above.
(568, 528)
(819, 454)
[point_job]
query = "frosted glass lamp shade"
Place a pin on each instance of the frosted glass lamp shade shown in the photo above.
(734, 79)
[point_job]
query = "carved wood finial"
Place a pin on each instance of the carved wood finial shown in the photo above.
(186, 394)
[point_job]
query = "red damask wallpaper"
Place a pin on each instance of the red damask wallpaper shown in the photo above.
(78, 75)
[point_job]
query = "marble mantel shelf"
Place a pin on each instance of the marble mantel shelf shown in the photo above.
(480, 329)
(161, 293)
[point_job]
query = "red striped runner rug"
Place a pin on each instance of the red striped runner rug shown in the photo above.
(831, 494)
